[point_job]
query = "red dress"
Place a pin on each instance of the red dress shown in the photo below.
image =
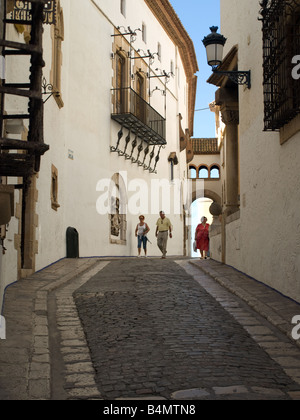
(202, 235)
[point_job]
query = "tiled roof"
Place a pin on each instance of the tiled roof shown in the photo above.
(205, 146)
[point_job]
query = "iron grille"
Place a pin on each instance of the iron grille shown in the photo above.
(133, 112)
(281, 42)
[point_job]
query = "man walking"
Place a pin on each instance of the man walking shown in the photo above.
(163, 227)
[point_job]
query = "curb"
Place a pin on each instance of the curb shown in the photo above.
(260, 307)
(39, 380)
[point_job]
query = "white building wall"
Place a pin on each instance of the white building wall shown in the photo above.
(269, 172)
(84, 128)
(87, 129)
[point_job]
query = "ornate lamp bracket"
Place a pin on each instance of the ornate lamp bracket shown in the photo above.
(47, 89)
(238, 77)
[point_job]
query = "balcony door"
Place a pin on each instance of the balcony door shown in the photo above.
(120, 84)
(140, 101)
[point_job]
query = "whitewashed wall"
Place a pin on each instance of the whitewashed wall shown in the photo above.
(270, 173)
(84, 127)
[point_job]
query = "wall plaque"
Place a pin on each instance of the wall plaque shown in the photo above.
(22, 11)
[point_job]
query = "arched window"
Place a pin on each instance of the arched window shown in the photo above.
(192, 172)
(215, 172)
(203, 172)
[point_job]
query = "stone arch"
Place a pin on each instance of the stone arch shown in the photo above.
(213, 196)
(208, 194)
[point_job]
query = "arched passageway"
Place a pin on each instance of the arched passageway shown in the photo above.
(199, 208)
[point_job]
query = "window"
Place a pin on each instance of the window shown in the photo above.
(281, 43)
(172, 68)
(144, 32)
(120, 82)
(193, 172)
(123, 7)
(159, 51)
(140, 102)
(215, 172)
(203, 172)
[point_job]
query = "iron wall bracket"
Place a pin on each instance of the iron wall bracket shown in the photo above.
(238, 77)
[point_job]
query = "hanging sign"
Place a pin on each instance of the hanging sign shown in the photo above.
(22, 11)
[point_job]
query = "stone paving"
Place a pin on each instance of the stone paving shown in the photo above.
(273, 306)
(264, 313)
(25, 359)
(147, 329)
(155, 331)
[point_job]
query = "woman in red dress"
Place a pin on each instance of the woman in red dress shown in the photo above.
(202, 237)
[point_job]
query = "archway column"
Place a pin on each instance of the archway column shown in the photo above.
(227, 99)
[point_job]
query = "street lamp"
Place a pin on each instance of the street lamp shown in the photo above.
(214, 44)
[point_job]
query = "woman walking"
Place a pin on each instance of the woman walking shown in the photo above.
(202, 238)
(141, 233)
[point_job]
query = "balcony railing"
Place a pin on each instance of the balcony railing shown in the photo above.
(133, 112)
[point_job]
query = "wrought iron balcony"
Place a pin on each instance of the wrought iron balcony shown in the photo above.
(131, 111)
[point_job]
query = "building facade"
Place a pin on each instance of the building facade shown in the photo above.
(119, 90)
(259, 136)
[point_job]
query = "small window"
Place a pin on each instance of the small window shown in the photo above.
(144, 32)
(203, 172)
(159, 51)
(123, 7)
(215, 172)
(193, 172)
(172, 69)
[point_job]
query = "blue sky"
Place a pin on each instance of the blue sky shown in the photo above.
(197, 16)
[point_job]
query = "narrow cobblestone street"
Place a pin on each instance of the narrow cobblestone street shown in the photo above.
(147, 329)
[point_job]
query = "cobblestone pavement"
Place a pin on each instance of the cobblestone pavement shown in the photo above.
(26, 360)
(147, 329)
(153, 330)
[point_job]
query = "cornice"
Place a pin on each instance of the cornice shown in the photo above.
(171, 23)
(167, 17)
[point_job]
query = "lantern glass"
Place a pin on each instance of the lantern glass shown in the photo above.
(214, 54)
(214, 44)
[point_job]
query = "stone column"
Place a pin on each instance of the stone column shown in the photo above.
(216, 211)
(227, 99)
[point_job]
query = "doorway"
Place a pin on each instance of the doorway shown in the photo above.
(199, 208)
